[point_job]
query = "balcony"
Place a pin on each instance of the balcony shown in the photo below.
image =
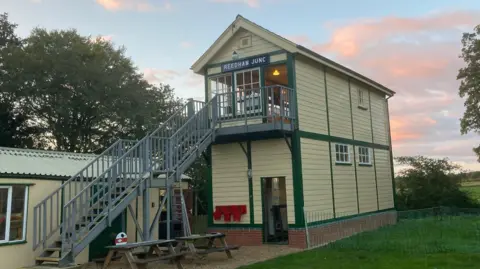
(268, 111)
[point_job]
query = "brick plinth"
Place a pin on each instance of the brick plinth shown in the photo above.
(329, 232)
(241, 236)
(318, 234)
(296, 238)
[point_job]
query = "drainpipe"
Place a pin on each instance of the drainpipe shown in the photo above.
(394, 189)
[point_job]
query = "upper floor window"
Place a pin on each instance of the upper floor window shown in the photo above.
(361, 99)
(13, 203)
(364, 155)
(222, 85)
(342, 153)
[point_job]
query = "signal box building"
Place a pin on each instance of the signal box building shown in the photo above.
(302, 143)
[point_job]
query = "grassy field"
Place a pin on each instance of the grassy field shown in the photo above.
(473, 189)
(422, 243)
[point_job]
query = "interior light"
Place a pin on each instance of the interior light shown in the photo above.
(276, 73)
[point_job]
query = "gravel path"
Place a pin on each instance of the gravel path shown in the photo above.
(243, 256)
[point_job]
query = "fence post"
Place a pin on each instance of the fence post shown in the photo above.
(307, 236)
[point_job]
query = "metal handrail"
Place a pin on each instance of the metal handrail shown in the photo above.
(168, 148)
(43, 229)
(47, 213)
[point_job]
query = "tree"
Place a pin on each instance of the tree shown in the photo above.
(85, 93)
(470, 84)
(429, 183)
(15, 130)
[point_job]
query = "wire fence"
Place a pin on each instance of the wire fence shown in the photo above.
(425, 231)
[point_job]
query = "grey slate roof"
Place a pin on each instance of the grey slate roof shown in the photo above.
(46, 163)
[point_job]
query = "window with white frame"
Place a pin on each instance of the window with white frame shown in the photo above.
(364, 155)
(361, 98)
(13, 208)
(342, 153)
(222, 85)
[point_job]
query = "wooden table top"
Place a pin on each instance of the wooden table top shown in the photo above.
(141, 244)
(199, 236)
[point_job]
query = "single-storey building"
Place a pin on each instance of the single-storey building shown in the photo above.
(28, 176)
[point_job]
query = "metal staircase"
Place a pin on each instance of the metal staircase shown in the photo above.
(67, 220)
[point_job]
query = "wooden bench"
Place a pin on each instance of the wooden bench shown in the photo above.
(137, 259)
(142, 263)
(187, 242)
(208, 250)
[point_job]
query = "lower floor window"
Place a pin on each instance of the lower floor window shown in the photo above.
(13, 207)
(364, 155)
(342, 153)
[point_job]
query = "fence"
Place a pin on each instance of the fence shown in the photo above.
(199, 224)
(424, 231)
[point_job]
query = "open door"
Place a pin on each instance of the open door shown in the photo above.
(275, 219)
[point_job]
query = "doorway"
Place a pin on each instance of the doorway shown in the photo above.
(275, 219)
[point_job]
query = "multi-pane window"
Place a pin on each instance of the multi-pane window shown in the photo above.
(222, 86)
(13, 203)
(364, 155)
(248, 91)
(342, 153)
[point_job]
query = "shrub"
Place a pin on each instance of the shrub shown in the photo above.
(430, 182)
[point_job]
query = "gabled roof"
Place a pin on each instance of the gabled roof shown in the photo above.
(44, 163)
(241, 22)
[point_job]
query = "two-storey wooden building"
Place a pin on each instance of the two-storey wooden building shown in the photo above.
(301, 143)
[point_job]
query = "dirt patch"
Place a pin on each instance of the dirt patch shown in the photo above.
(243, 256)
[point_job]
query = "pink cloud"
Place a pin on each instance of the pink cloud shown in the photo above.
(154, 75)
(250, 3)
(350, 39)
(409, 127)
(418, 58)
(186, 44)
(137, 5)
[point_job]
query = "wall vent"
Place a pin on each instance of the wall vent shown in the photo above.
(245, 42)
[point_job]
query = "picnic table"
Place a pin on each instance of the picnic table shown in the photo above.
(188, 243)
(140, 259)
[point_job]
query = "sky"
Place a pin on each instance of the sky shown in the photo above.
(411, 47)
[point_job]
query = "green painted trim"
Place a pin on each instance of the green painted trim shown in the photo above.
(353, 138)
(235, 225)
(366, 165)
(13, 243)
(373, 150)
(262, 191)
(394, 188)
(136, 217)
(292, 83)
(30, 176)
(297, 176)
(335, 139)
(61, 205)
(273, 53)
(209, 187)
(349, 217)
(26, 213)
(343, 164)
(248, 226)
(250, 183)
(329, 142)
(13, 183)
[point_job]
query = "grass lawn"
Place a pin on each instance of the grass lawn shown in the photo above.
(474, 190)
(453, 242)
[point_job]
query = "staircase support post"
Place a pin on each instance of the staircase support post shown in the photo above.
(146, 213)
(190, 108)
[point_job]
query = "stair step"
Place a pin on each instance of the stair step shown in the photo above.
(53, 249)
(47, 259)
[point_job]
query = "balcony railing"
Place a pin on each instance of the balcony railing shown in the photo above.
(269, 104)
